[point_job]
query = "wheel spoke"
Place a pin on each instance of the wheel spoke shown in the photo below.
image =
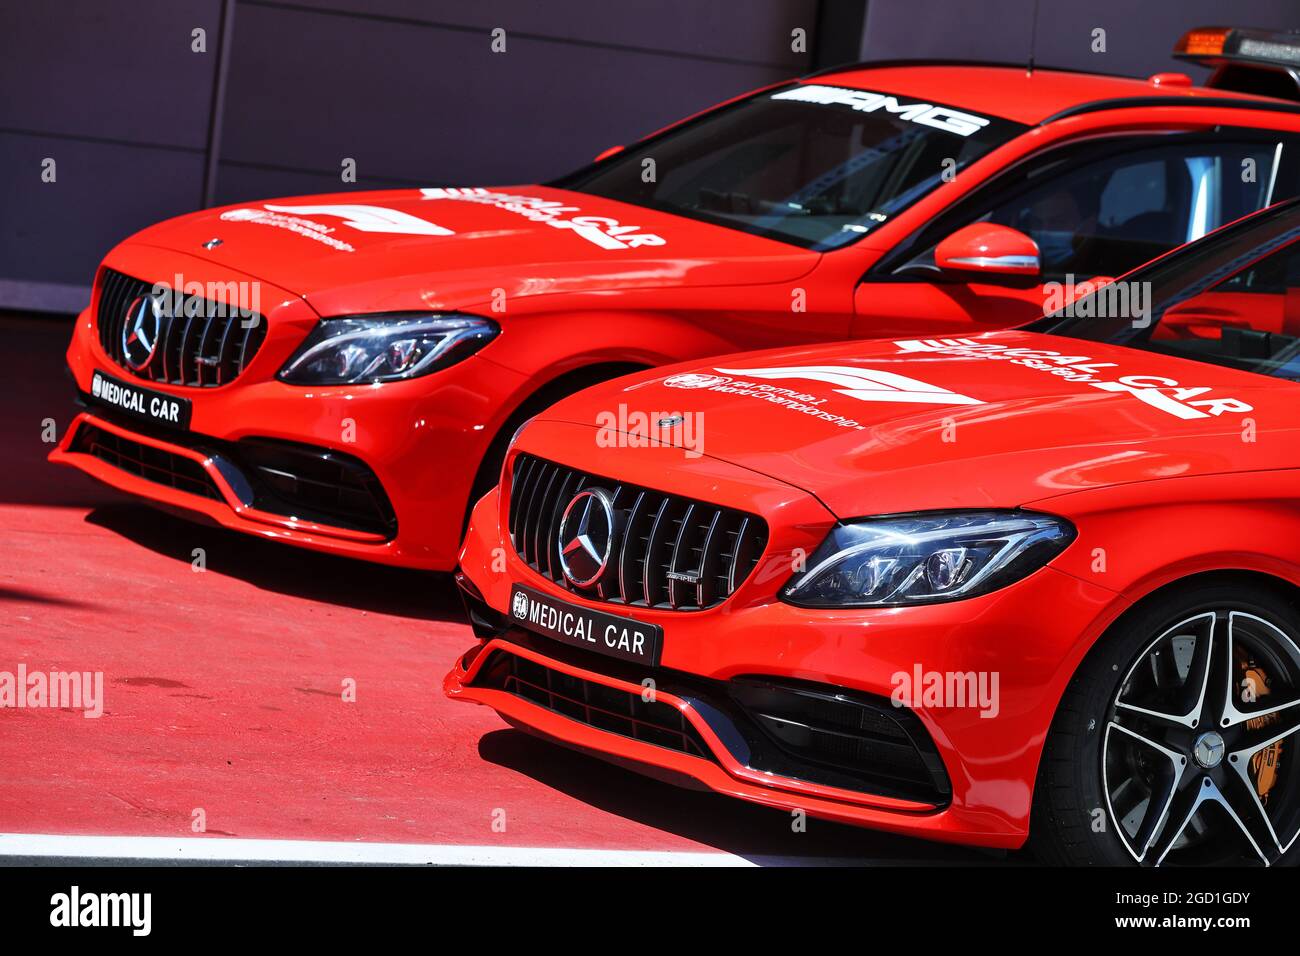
(1232, 716)
(1198, 674)
(1243, 716)
(1202, 664)
(1206, 792)
(1178, 720)
(1181, 809)
(1158, 804)
(1249, 805)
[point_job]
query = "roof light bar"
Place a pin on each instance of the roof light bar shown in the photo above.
(1213, 46)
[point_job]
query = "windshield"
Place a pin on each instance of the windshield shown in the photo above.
(818, 166)
(1232, 298)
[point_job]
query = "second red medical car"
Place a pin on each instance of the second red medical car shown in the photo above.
(974, 588)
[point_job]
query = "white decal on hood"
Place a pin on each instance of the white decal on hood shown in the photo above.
(802, 403)
(866, 385)
(1159, 392)
(599, 230)
(371, 219)
(308, 229)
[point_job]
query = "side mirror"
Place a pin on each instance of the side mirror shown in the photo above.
(989, 249)
(606, 153)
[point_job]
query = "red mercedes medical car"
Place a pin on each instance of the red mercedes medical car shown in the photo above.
(978, 588)
(344, 371)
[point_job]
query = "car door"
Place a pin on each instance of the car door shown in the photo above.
(1093, 209)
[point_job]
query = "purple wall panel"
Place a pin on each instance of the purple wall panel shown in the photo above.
(1139, 35)
(729, 29)
(438, 105)
(409, 88)
(57, 232)
(116, 69)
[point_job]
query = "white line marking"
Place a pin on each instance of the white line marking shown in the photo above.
(202, 849)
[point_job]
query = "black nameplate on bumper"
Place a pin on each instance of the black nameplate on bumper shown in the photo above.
(610, 634)
(145, 404)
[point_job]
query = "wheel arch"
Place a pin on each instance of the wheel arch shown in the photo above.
(1156, 592)
(536, 400)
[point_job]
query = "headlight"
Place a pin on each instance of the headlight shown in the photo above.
(926, 558)
(385, 348)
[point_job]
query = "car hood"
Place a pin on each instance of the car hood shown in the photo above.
(454, 248)
(998, 420)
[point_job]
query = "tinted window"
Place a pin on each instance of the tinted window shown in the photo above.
(815, 165)
(1104, 213)
(1233, 299)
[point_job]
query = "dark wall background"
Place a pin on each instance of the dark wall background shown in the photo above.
(141, 127)
(1139, 33)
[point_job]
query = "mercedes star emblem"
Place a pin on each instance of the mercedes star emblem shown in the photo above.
(586, 536)
(1208, 750)
(141, 331)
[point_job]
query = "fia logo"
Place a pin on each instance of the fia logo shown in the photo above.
(520, 605)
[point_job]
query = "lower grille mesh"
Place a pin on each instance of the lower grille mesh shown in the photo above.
(282, 478)
(599, 706)
(145, 461)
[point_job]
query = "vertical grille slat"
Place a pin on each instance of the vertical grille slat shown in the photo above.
(634, 516)
(225, 357)
(669, 551)
(202, 345)
(750, 541)
(568, 488)
(649, 580)
(539, 478)
(254, 334)
(541, 547)
(705, 587)
(165, 350)
(518, 490)
(201, 354)
(681, 545)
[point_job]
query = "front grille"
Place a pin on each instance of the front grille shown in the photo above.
(599, 706)
(202, 344)
(145, 461)
(668, 551)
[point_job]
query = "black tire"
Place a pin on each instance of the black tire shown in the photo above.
(1072, 792)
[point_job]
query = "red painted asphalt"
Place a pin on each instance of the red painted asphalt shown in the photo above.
(223, 688)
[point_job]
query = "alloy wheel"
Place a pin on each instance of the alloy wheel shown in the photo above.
(1198, 757)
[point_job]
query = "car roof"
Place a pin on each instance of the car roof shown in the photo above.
(1015, 93)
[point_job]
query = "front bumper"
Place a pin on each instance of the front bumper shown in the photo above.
(1031, 636)
(422, 440)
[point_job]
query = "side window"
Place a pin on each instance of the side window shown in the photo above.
(1112, 215)
(1105, 210)
(1251, 319)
